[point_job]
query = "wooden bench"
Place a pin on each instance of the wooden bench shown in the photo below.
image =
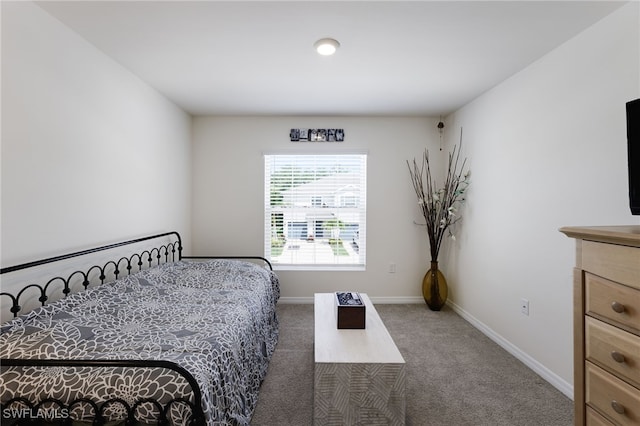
(359, 376)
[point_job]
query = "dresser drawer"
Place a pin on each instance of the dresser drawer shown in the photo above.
(618, 263)
(595, 419)
(614, 349)
(612, 301)
(611, 396)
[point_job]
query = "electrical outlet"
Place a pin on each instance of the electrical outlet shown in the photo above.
(392, 268)
(524, 306)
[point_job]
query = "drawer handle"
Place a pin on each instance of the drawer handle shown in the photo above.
(617, 307)
(617, 407)
(617, 356)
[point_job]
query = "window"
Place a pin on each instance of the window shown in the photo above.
(315, 211)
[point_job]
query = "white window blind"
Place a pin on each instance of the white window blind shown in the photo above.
(315, 211)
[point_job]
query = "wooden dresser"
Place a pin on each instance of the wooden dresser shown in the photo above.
(606, 325)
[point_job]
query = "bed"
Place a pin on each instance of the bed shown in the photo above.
(170, 340)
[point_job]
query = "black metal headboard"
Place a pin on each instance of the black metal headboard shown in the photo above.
(166, 252)
(149, 253)
(170, 251)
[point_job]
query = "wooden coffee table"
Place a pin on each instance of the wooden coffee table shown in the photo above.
(359, 376)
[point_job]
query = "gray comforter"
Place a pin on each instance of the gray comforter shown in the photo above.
(216, 319)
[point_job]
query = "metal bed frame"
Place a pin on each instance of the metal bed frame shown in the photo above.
(169, 252)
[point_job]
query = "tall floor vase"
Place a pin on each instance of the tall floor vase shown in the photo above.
(434, 288)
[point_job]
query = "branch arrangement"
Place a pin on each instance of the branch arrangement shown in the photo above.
(439, 205)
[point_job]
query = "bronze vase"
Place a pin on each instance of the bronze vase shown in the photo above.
(434, 288)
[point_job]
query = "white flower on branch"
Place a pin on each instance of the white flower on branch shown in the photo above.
(438, 204)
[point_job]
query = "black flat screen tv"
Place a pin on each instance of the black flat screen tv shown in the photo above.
(633, 148)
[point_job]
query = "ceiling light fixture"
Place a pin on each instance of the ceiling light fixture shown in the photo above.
(326, 46)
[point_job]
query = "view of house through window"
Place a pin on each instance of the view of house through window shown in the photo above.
(315, 210)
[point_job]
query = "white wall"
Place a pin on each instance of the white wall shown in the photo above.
(547, 149)
(228, 196)
(90, 153)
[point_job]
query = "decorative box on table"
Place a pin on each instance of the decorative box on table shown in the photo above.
(350, 310)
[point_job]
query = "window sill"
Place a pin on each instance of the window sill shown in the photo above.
(324, 268)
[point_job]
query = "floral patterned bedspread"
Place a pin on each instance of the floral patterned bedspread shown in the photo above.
(216, 319)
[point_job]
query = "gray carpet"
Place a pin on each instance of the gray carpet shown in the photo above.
(456, 375)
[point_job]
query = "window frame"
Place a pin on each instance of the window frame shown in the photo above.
(356, 229)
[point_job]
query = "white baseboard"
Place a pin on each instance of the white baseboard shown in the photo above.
(548, 375)
(391, 300)
(404, 300)
(296, 300)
